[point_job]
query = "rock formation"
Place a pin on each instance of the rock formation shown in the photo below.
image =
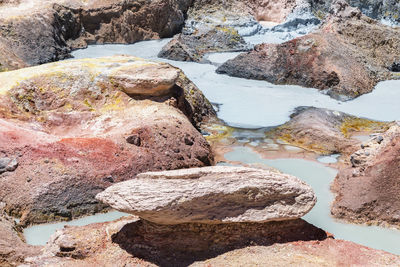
(325, 131)
(185, 47)
(70, 129)
(377, 9)
(13, 249)
(347, 57)
(34, 32)
(368, 190)
(212, 195)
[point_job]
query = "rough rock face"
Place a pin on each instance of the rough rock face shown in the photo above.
(377, 9)
(13, 249)
(212, 195)
(139, 242)
(328, 252)
(348, 56)
(368, 190)
(325, 131)
(193, 47)
(70, 129)
(35, 31)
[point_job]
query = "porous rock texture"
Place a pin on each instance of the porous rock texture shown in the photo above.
(216, 194)
(326, 131)
(131, 241)
(368, 189)
(329, 252)
(70, 129)
(192, 47)
(13, 249)
(35, 31)
(347, 57)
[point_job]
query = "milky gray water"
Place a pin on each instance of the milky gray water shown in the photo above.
(40, 234)
(254, 104)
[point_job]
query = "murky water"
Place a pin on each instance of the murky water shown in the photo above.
(319, 177)
(40, 234)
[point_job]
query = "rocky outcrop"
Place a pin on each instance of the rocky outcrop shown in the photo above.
(368, 190)
(377, 9)
(329, 252)
(139, 242)
(13, 249)
(212, 195)
(192, 47)
(76, 127)
(325, 131)
(36, 32)
(348, 56)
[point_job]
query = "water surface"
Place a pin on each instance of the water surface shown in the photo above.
(40, 234)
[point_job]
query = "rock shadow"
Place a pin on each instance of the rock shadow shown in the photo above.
(183, 244)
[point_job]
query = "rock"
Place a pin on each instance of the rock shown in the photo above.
(368, 190)
(243, 16)
(325, 131)
(212, 195)
(132, 241)
(74, 123)
(329, 252)
(37, 33)
(386, 10)
(8, 165)
(347, 57)
(193, 47)
(13, 249)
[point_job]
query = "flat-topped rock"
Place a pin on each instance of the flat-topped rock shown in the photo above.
(212, 195)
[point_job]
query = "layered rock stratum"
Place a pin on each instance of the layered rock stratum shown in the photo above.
(212, 195)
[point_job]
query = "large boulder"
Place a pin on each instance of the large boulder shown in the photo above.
(326, 131)
(36, 32)
(212, 195)
(70, 129)
(368, 191)
(131, 241)
(347, 57)
(192, 47)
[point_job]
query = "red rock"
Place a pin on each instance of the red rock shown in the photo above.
(369, 190)
(69, 128)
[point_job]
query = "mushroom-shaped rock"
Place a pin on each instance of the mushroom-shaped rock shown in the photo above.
(216, 194)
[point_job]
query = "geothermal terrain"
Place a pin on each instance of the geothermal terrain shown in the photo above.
(199, 133)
